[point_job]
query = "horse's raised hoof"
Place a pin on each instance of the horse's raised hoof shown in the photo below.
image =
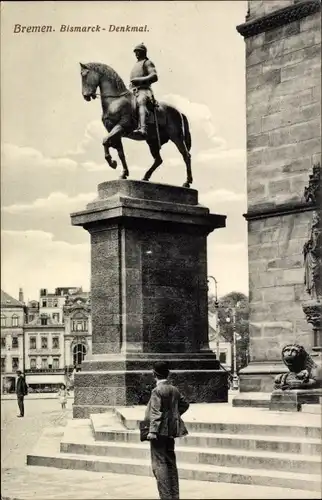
(186, 185)
(112, 163)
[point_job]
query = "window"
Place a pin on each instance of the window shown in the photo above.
(79, 326)
(3, 320)
(33, 363)
(44, 303)
(44, 363)
(43, 321)
(44, 343)
(3, 364)
(3, 342)
(79, 353)
(31, 317)
(55, 342)
(56, 317)
(15, 320)
(33, 343)
(15, 343)
(15, 364)
(55, 363)
(222, 357)
(55, 303)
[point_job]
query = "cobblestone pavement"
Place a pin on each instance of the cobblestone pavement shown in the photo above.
(19, 435)
(21, 482)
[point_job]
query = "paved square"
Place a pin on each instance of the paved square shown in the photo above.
(21, 482)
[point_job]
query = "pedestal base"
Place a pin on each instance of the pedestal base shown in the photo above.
(130, 382)
(259, 376)
(293, 400)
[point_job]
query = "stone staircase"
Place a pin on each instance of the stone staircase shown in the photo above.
(258, 447)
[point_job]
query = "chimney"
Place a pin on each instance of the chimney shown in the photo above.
(21, 295)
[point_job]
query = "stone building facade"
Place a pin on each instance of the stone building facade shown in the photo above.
(44, 352)
(78, 328)
(56, 336)
(45, 339)
(12, 346)
(283, 99)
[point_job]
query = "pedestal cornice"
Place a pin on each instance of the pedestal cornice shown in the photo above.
(121, 201)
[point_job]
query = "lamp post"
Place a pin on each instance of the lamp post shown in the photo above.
(216, 316)
(235, 376)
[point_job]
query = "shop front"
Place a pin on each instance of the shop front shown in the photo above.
(45, 382)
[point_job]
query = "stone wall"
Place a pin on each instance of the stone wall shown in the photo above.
(276, 284)
(283, 89)
(283, 99)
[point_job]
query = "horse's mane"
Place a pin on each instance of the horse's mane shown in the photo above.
(105, 70)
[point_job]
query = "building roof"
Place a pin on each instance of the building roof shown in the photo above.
(212, 330)
(36, 322)
(8, 301)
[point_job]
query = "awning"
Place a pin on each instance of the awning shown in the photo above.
(45, 379)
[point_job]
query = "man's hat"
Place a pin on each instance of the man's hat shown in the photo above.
(161, 369)
(141, 47)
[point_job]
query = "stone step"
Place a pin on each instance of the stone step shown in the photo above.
(280, 444)
(316, 409)
(225, 427)
(201, 472)
(251, 400)
(212, 456)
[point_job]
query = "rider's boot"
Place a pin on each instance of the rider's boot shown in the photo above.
(142, 129)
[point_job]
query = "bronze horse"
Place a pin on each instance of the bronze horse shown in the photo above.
(120, 119)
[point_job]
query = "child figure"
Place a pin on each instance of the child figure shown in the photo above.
(62, 394)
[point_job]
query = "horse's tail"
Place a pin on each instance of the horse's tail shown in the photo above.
(186, 131)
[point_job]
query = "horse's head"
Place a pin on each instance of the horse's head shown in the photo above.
(90, 81)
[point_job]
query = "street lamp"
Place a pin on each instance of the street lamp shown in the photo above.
(235, 376)
(216, 316)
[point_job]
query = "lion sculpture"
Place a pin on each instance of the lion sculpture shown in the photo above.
(303, 371)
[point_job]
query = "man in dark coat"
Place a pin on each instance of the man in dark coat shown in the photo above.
(22, 391)
(164, 412)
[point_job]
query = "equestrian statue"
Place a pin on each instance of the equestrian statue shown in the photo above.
(133, 113)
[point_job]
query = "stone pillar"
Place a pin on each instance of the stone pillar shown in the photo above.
(283, 84)
(149, 295)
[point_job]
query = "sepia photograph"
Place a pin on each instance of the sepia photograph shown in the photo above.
(161, 263)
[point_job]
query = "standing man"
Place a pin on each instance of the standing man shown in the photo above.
(22, 391)
(164, 412)
(142, 76)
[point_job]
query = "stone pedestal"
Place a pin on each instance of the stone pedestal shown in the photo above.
(293, 400)
(149, 295)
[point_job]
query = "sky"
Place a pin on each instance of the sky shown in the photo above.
(51, 154)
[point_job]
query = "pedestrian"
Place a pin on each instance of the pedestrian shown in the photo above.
(22, 391)
(163, 415)
(62, 394)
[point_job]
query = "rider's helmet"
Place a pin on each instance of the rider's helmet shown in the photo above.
(140, 48)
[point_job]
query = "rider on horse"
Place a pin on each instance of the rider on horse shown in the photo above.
(142, 76)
